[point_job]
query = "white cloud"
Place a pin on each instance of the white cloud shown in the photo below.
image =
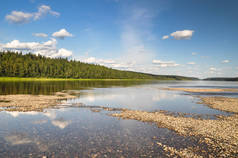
(225, 61)
(99, 61)
(47, 48)
(62, 53)
(17, 45)
(62, 34)
(136, 33)
(181, 35)
(191, 63)
(165, 37)
(40, 34)
(109, 63)
(20, 17)
(43, 10)
(194, 53)
(165, 63)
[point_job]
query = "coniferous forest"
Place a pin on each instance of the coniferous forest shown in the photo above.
(29, 65)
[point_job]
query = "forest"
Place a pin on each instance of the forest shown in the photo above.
(14, 64)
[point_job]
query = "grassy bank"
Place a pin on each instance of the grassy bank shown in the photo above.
(6, 79)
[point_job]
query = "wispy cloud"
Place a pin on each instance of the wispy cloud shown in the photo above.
(194, 53)
(20, 17)
(165, 63)
(117, 64)
(40, 34)
(136, 33)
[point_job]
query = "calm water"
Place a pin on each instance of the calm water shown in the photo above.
(71, 131)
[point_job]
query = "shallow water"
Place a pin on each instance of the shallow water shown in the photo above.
(146, 98)
(72, 131)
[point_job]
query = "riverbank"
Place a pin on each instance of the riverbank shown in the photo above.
(9, 79)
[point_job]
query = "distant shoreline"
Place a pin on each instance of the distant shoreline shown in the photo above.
(221, 79)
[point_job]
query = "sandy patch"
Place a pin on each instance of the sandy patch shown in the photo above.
(32, 102)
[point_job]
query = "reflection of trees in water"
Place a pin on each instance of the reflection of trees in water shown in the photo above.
(37, 87)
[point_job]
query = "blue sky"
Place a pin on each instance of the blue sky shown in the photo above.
(185, 37)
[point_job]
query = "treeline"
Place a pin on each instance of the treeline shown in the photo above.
(222, 79)
(29, 65)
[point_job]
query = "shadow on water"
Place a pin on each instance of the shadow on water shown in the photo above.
(50, 87)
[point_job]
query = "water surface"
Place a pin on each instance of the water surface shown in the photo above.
(72, 131)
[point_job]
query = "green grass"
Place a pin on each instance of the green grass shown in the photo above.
(6, 79)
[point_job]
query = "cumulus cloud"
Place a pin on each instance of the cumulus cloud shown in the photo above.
(165, 63)
(181, 35)
(40, 34)
(62, 53)
(62, 34)
(47, 48)
(20, 17)
(165, 37)
(191, 63)
(225, 61)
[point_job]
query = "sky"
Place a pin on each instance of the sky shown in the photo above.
(197, 38)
